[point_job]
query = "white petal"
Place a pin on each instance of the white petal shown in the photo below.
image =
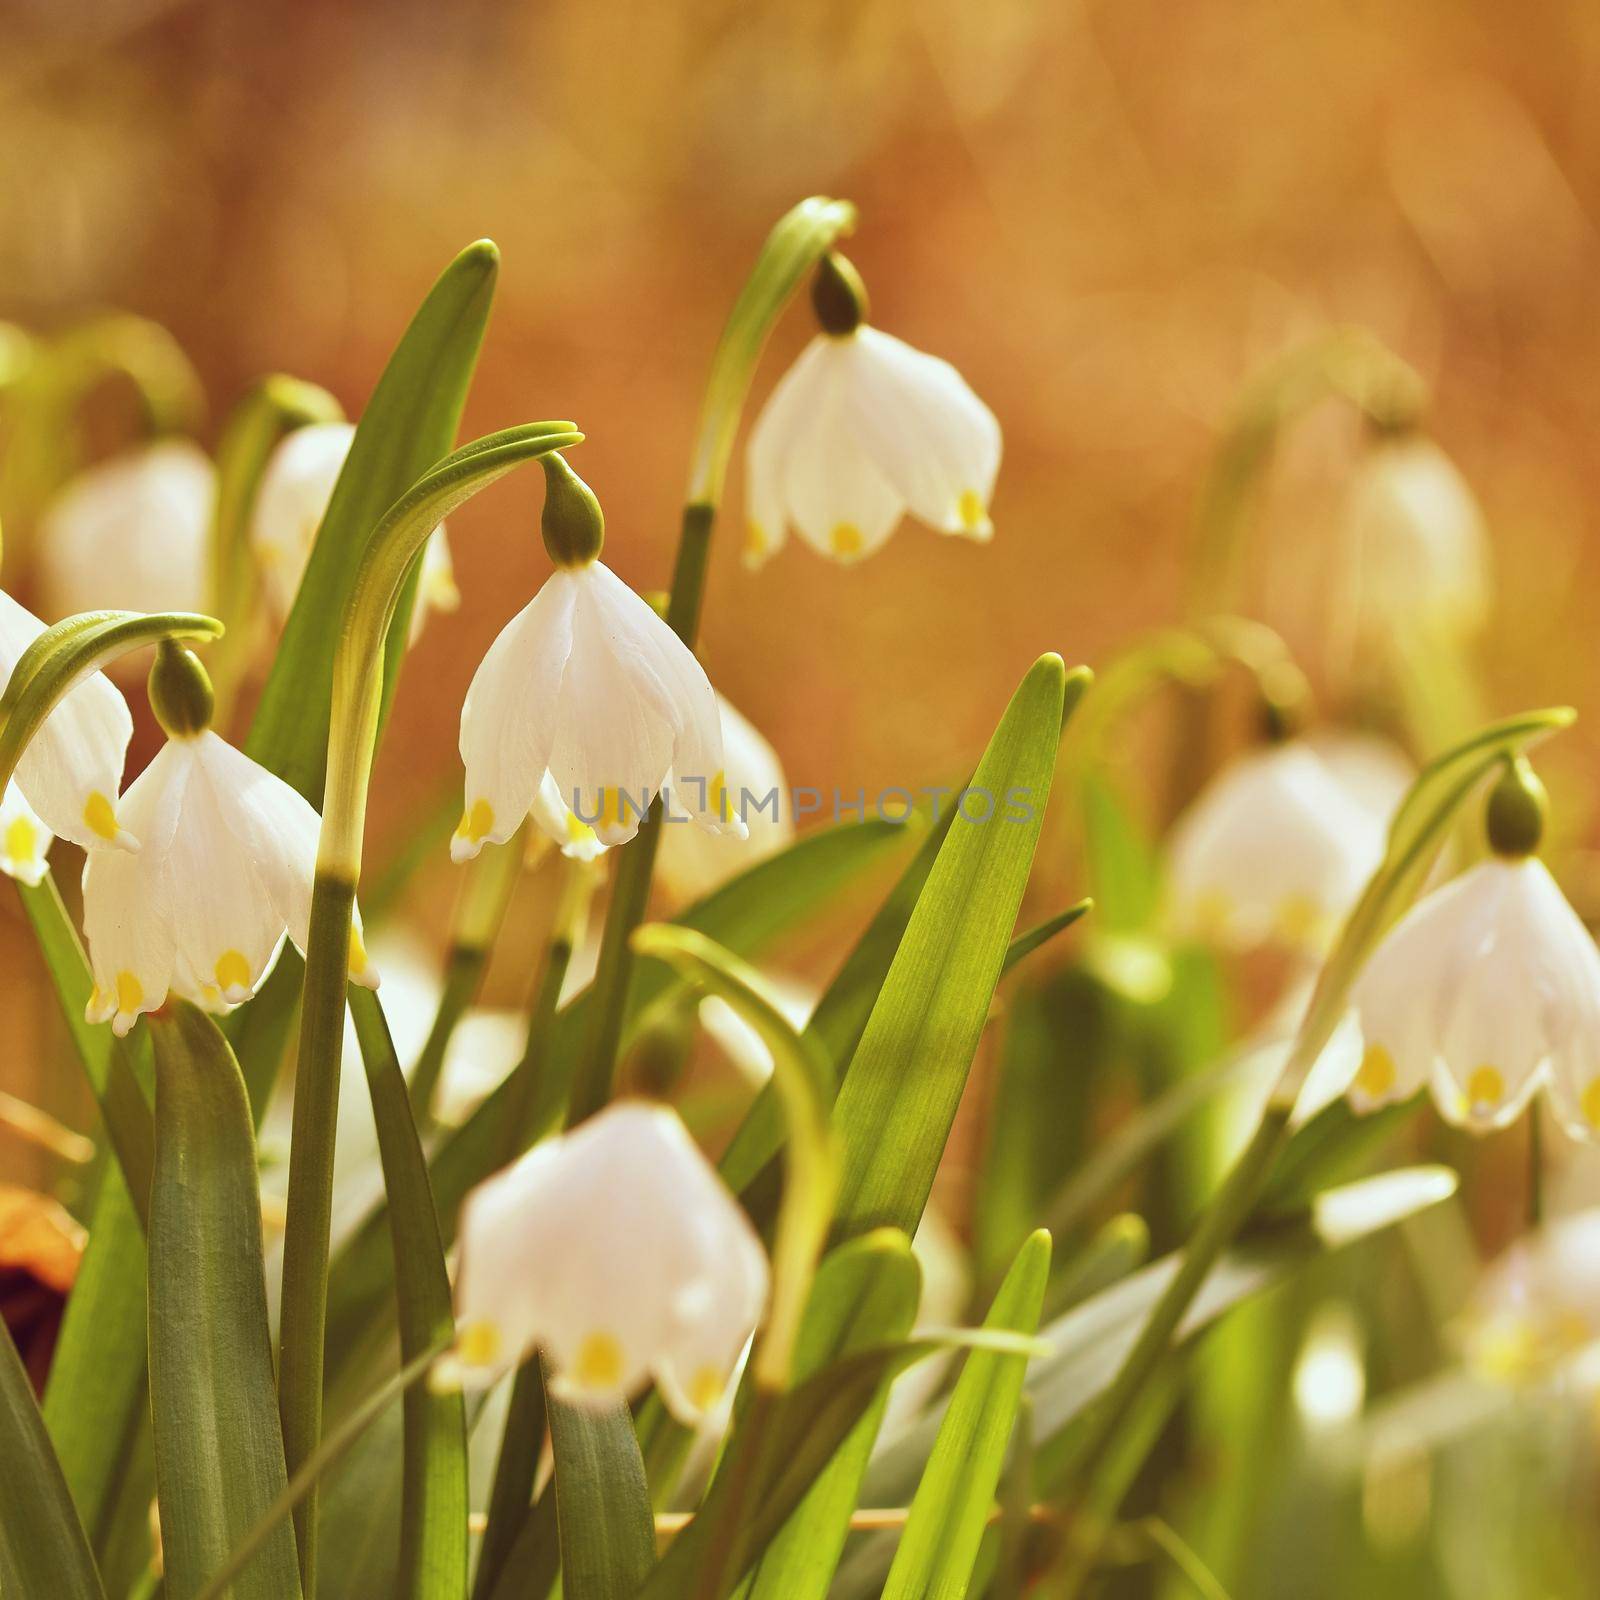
(293, 497)
(24, 839)
(931, 436)
(72, 768)
(797, 394)
(508, 721)
(556, 819)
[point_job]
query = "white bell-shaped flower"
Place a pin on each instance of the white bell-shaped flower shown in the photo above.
(72, 768)
(133, 532)
(1276, 848)
(1485, 990)
(1415, 561)
(618, 1251)
(861, 430)
(587, 683)
(24, 839)
(293, 497)
(224, 871)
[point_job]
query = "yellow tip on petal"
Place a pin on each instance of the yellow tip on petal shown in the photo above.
(477, 822)
(1485, 1089)
(101, 816)
(846, 539)
(1377, 1075)
(1300, 919)
(358, 963)
(478, 1344)
(705, 1388)
(232, 972)
(130, 993)
(22, 839)
(578, 831)
(756, 543)
(1590, 1104)
(970, 509)
(717, 798)
(599, 1363)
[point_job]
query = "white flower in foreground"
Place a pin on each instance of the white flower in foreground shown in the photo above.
(295, 490)
(72, 768)
(588, 684)
(1538, 1303)
(24, 839)
(1275, 848)
(861, 430)
(617, 1250)
(133, 532)
(224, 870)
(1416, 557)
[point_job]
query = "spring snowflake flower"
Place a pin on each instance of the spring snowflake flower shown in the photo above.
(589, 685)
(24, 839)
(1485, 991)
(861, 430)
(1276, 848)
(72, 768)
(1416, 556)
(224, 872)
(295, 490)
(133, 532)
(618, 1251)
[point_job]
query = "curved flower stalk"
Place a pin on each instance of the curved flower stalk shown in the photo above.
(133, 531)
(861, 430)
(617, 1250)
(588, 684)
(1488, 990)
(290, 504)
(223, 873)
(67, 758)
(1276, 849)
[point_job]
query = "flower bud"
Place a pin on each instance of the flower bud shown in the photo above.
(1514, 817)
(838, 296)
(180, 691)
(573, 525)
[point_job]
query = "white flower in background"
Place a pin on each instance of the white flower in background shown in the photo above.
(861, 430)
(133, 532)
(1275, 848)
(617, 1250)
(1416, 557)
(295, 490)
(24, 839)
(588, 684)
(1538, 1304)
(1487, 989)
(225, 867)
(693, 862)
(72, 768)
(746, 1050)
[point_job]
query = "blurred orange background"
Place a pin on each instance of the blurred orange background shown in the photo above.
(1107, 215)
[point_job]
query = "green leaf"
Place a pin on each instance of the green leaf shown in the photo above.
(865, 1296)
(608, 1531)
(1038, 936)
(219, 1453)
(516, 1469)
(408, 424)
(65, 654)
(43, 1550)
(745, 915)
(1123, 866)
(900, 1094)
(941, 1538)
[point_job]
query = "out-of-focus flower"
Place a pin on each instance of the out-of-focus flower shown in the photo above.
(72, 768)
(588, 684)
(861, 430)
(946, 1293)
(693, 861)
(1416, 550)
(618, 1251)
(225, 867)
(293, 497)
(1330, 1375)
(742, 1044)
(133, 532)
(1538, 1303)
(1276, 848)
(24, 839)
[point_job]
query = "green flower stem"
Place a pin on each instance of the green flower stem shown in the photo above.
(480, 910)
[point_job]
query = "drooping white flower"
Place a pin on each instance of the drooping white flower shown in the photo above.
(747, 1052)
(132, 532)
(71, 770)
(24, 839)
(228, 854)
(1275, 848)
(1416, 550)
(292, 499)
(617, 1250)
(1486, 990)
(861, 430)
